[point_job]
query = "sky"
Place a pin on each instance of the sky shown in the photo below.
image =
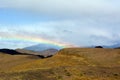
(67, 22)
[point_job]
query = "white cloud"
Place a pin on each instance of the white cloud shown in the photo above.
(81, 22)
(13, 44)
(65, 7)
(74, 32)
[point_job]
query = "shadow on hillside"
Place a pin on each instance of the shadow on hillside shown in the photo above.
(14, 52)
(8, 51)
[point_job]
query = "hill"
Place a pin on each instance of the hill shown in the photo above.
(67, 64)
(41, 47)
(44, 53)
(9, 51)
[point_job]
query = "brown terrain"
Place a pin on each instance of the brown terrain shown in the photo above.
(67, 64)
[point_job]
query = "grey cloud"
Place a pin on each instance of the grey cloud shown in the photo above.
(81, 22)
(65, 7)
(75, 32)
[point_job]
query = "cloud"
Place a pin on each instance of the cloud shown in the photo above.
(65, 7)
(80, 22)
(13, 44)
(73, 32)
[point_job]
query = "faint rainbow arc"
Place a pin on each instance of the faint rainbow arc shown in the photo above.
(41, 40)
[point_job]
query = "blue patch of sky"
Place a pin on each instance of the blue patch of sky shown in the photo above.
(13, 16)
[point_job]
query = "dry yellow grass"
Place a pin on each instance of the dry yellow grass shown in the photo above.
(8, 61)
(68, 64)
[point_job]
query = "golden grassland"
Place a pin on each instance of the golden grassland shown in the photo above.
(67, 64)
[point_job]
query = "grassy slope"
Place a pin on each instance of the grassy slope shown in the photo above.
(68, 64)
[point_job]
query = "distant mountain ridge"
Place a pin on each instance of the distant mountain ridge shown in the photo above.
(45, 53)
(113, 46)
(42, 47)
(106, 46)
(42, 54)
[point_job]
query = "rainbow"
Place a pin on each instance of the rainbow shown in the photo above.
(40, 40)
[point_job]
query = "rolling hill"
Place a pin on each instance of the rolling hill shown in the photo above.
(67, 64)
(44, 53)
